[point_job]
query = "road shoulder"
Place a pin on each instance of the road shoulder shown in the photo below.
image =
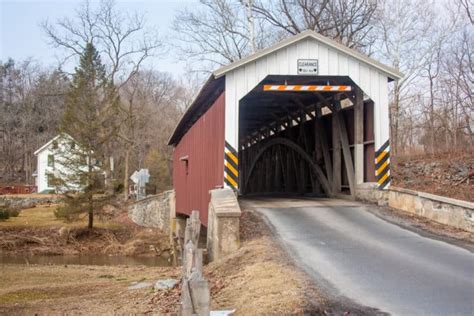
(424, 226)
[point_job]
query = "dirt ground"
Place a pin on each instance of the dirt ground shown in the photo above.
(449, 174)
(78, 290)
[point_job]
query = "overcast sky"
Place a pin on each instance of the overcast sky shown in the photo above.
(22, 37)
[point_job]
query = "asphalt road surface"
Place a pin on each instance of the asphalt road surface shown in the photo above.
(358, 256)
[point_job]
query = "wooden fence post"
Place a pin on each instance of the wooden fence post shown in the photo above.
(195, 295)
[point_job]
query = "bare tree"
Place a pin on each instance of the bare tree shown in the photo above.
(432, 73)
(220, 32)
(458, 85)
(408, 38)
(468, 7)
(151, 105)
(31, 102)
(217, 33)
(432, 106)
(348, 22)
(123, 40)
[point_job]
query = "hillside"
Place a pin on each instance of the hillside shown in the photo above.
(450, 175)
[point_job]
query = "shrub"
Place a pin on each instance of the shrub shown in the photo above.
(14, 213)
(118, 188)
(61, 213)
(4, 215)
(6, 211)
(66, 213)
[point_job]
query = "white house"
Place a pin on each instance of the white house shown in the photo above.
(49, 158)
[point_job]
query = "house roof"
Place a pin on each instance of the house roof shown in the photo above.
(51, 141)
(391, 72)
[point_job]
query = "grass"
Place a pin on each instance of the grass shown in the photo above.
(24, 295)
(34, 294)
(43, 216)
(30, 195)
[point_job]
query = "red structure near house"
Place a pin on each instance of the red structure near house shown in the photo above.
(17, 189)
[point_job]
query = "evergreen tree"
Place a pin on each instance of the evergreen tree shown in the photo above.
(88, 129)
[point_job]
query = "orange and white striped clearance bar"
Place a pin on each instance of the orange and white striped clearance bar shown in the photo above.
(306, 88)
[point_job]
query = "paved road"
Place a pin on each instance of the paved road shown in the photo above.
(372, 262)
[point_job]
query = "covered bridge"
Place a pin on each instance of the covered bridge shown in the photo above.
(306, 116)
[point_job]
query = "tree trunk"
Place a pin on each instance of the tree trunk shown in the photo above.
(432, 132)
(90, 198)
(394, 113)
(90, 224)
(125, 178)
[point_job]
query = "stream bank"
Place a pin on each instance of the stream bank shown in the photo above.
(37, 232)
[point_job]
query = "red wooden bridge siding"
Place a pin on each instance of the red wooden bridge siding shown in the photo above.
(203, 144)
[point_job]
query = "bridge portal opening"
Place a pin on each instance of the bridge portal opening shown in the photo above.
(305, 135)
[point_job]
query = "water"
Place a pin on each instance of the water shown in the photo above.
(100, 260)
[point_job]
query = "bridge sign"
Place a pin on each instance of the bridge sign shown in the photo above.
(308, 66)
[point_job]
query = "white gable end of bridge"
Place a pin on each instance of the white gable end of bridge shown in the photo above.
(332, 62)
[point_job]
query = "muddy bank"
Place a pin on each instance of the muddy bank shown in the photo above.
(36, 231)
(126, 240)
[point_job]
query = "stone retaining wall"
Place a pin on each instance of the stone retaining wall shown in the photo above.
(154, 211)
(31, 200)
(452, 212)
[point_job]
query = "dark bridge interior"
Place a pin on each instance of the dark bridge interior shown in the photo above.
(301, 142)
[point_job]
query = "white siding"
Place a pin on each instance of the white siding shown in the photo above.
(42, 165)
(42, 168)
(242, 80)
(323, 62)
(293, 53)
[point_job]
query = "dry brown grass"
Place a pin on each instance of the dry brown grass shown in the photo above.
(43, 215)
(255, 280)
(32, 195)
(37, 231)
(266, 282)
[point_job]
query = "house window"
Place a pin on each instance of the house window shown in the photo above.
(55, 145)
(51, 161)
(73, 145)
(185, 159)
(50, 180)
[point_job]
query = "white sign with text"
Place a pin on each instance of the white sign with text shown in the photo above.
(307, 66)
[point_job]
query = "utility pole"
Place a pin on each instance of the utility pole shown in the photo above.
(249, 4)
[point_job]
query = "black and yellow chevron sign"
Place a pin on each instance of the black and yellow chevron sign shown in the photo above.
(382, 166)
(231, 167)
